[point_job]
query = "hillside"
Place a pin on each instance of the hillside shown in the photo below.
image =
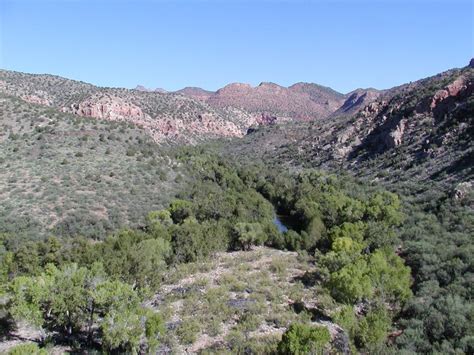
(190, 115)
(164, 117)
(302, 101)
(54, 155)
(195, 93)
(418, 131)
(72, 175)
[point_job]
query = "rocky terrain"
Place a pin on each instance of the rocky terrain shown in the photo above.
(300, 102)
(189, 115)
(165, 117)
(419, 130)
(239, 283)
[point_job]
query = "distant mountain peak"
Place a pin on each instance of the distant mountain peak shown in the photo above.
(195, 92)
(142, 88)
(269, 84)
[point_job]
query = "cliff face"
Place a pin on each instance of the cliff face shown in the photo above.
(159, 126)
(107, 107)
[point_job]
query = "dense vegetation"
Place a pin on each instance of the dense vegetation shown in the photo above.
(351, 232)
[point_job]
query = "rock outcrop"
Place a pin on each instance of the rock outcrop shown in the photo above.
(357, 100)
(159, 126)
(38, 98)
(107, 107)
(452, 90)
(394, 138)
(142, 88)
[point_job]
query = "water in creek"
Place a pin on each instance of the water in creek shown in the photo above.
(281, 227)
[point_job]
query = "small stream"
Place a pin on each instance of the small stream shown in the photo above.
(279, 224)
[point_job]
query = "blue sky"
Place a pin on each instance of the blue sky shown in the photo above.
(172, 44)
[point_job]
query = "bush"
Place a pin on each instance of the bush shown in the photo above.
(27, 349)
(302, 339)
(188, 330)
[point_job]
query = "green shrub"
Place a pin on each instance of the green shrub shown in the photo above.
(188, 331)
(27, 349)
(302, 339)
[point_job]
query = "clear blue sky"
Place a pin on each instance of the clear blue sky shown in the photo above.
(172, 44)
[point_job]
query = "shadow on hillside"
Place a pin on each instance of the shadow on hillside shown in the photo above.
(7, 326)
(308, 279)
(462, 166)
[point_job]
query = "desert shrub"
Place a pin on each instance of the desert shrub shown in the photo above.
(188, 331)
(27, 349)
(304, 339)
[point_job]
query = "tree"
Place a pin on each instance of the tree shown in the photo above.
(50, 251)
(248, 234)
(26, 260)
(353, 230)
(188, 241)
(122, 330)
(385, 207)
(134, 259)
(351, 283)
(373, 328)
(27, 296)
(6, 262)
(301, 339)
(180, 210)
(389, 276)
(316, 232)
(158, 223)
(154, 327)
(78, 300)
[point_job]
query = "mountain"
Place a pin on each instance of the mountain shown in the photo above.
(269, 102)
(422, 130)
(303, 102)
(356, 100)
(165, 117)
(142, 88)
(189, 115)
(195, 93)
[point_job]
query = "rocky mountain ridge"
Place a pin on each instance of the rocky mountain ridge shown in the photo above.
(166, 117)
(300, 101)
(421, 130)
(192, 114)
(189, 115)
